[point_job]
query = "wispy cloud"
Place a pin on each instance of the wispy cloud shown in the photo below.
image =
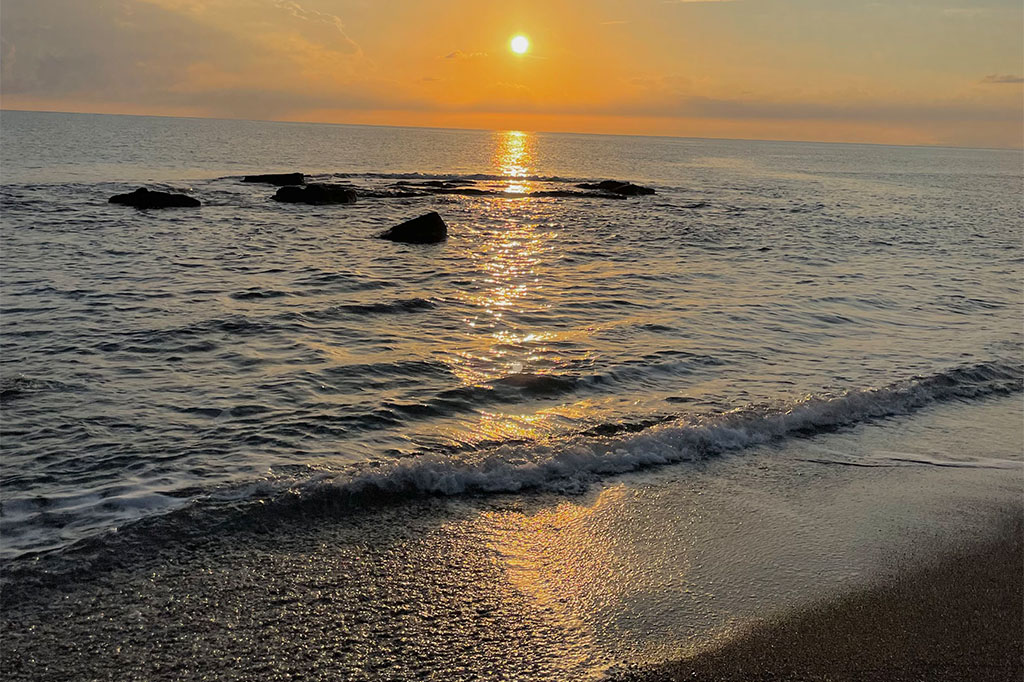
(994, 79)
(317, 26)
(459, 55)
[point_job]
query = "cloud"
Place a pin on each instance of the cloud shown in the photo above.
(996, 79)
(280, 103)
(707, 107)
(324, 29)
(245, 58)
(460, 55)
(688, 106)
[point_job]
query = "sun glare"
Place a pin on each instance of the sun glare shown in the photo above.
(520, 44)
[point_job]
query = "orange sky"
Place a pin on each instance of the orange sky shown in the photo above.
(901, 71)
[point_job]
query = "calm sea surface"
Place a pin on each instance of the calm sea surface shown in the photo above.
(251, 350)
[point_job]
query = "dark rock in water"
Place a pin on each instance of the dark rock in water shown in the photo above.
(144, 198)
(386, 193)
(427, 229)
(464, 191)
(603, 185)
(316, 194)
(465, 188)
(615, 187)
(277, 178)
(454, 182)
(568, 193)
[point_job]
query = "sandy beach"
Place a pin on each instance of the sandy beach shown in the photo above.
(769, 565)
(958, 617)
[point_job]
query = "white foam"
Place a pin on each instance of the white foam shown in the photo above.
(572, 466)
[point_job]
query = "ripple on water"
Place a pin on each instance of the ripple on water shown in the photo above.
(184, 355)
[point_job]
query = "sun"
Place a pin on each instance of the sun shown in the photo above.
(520, 44)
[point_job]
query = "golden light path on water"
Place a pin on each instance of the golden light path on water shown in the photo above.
(513, 158)
(509, 262)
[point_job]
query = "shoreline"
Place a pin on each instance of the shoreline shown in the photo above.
(648, 567)
(959, 616)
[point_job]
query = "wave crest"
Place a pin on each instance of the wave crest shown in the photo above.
(566, 466)
(573, 466)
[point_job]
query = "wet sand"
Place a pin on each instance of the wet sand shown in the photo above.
(896, 538)
(961, 617)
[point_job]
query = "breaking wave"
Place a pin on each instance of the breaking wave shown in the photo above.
(562, 466)
(572, 466)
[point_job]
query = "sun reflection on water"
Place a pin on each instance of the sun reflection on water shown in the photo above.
(508, 261)
(511, 345)
(513, 159)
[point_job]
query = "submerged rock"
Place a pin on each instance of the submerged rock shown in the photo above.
(144, 198)
(427, 229)
(627, 189)
(277, 178)
(316, 194)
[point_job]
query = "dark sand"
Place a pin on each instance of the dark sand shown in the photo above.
(959, 618)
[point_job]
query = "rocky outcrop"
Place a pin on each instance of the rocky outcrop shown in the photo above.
(277, 178)
(144, 198)
(627, 189)
(456, 182)
(570, 194)
(464, 188)
(427, 229)
(316, 194)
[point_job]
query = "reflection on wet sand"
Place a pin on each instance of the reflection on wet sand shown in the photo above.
(575, 561)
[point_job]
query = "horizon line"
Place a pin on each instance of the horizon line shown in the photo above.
(534, 132)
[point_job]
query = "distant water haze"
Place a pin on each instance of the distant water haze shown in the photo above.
(153, 360)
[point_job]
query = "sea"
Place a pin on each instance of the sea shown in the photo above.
(187, 365)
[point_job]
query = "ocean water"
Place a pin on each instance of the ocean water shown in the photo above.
(256, 353)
